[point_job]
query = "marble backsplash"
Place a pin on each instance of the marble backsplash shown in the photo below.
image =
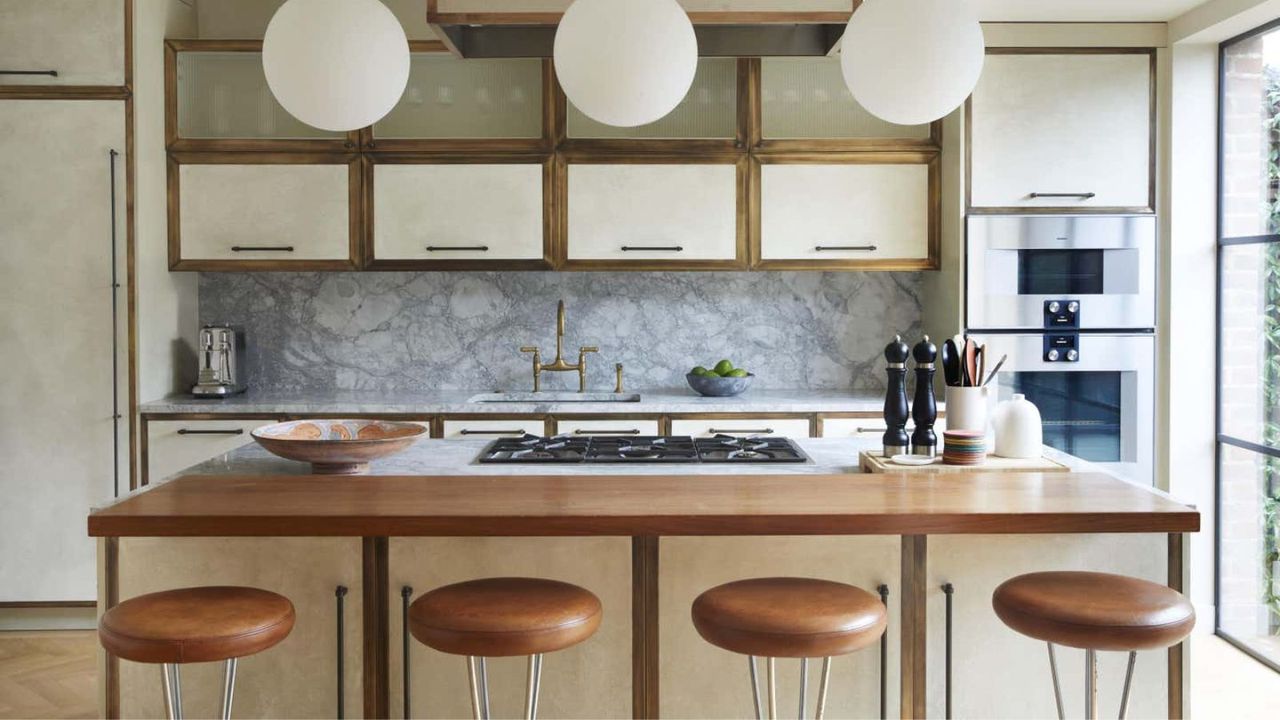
(311, 332)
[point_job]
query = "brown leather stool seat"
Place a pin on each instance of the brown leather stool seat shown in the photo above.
(1094, 611)
(201, 624)
(789, 617)
(503, 617)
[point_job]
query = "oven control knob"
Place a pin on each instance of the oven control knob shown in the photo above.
(1072, 356)
(1073, 307)
(1054, 306)
(1052, 356)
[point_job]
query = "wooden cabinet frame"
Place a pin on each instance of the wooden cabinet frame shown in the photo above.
(355, 210)
(932, 159)
(1149, 208)
(372, 160)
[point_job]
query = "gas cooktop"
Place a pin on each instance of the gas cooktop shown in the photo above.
(533, 449)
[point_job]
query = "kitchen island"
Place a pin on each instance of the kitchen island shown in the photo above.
(647, 537)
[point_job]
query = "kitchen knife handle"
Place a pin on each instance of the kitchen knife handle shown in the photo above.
(652, 248)
(762, 431)
(186, 431)
(457, 248)
(261, 248)
(863, 248)
(1081, 195)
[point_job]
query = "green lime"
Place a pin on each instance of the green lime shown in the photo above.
(738, 372)
(723, 368)
(701, 371)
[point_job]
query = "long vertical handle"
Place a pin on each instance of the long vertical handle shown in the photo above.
(115, 336)
(884, 658)
(406, 592)
(949, 590)
(340, 593)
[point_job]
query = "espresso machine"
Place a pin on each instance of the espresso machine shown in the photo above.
(222, 357)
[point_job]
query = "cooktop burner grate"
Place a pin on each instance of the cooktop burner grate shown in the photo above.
(532, 449)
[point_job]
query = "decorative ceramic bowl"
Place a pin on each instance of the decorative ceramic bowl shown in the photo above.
(719, 386)
(338, 447)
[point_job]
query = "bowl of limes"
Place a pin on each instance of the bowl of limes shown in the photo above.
(722, 380)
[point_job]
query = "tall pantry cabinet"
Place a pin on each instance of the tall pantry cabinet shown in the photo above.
(63, 315)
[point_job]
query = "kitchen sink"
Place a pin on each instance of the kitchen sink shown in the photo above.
(552, 397)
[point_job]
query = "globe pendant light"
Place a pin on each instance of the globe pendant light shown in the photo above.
(625, 62)
(336, 65)
(912, 61)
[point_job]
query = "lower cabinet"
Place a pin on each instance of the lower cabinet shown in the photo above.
(589, 680)
(999, 673)
(175, 445)
(502, 427)
(622, 427)
(788, 427)
(700, 680)
(296, 679)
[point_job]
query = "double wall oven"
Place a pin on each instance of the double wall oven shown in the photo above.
(1071, 300)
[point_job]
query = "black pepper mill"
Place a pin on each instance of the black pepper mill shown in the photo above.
(925, 409)
(895, 400)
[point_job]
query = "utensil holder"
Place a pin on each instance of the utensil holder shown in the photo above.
(968, 408)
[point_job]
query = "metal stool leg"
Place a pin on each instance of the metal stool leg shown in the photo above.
(773, 700)
(822, 688)
(228, 687)
(804, 685)
(175, 671)
(474, 681)
(1091, 684)
(167, 681)
(755, 687)
(1128, 682)
(1057, 687)
(531, 692)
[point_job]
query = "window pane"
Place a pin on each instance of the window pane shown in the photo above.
(467, 99)
(1249, 606)
(225, 95)
(806, 98)
(1250, 135)
(710, 110)
(1250, 337)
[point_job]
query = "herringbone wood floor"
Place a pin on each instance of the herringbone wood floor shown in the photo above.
(48, 674)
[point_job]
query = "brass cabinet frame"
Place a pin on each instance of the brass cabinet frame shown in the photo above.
(372, 160)
(1152, 133)
(355, 210)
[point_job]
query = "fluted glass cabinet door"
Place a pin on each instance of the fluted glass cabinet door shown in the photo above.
(807, 99)
(225, 95)
(708, 111)
(449, 98)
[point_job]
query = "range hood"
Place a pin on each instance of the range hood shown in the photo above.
(714, 40)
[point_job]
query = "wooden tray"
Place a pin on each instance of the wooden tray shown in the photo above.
(874, 463)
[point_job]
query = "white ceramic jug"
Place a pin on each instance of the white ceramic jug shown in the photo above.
(1018, 430)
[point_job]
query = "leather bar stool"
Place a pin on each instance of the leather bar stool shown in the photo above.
(504, 617)
(789, 618)
(190, 625)
(1094, 612)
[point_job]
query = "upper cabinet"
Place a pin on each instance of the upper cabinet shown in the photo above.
(62, 42)
(1058, 131)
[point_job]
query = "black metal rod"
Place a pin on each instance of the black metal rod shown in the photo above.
(406, 592)
(825, 248)
(261, 248)
(652, 248)
(465, 431)
(1082, 195)
(188, 431)
(340, 593)
(884, 658)
(462, 248)
(115, 335)
(731, 431)
(580, 431)
(50, 73)
(949, 590)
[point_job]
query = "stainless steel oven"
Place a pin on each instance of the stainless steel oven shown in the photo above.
(1031, 272)
(1095, 392)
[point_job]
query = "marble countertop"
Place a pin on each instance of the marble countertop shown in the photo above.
(654, 401)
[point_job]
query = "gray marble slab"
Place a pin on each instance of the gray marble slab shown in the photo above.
(445, 402)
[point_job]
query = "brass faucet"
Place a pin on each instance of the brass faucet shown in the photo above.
(559, 365)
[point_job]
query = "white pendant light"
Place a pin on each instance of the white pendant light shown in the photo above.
(336, 64)
(625, 62)
(912, 61)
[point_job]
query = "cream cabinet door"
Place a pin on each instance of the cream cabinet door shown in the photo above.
(175, 445)
(458, 212)
(652, 212)
(778, 427)
(264, 212)
(80, 40)
(602, 426)
(844, 212)
(869, 427)
(297, 678)
(1073, 125)
(493, 428)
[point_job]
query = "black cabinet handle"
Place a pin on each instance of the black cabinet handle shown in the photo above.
(187, 431)
(829, 248)
(652, 248)
(115, 328)
(261, 248)
(580, 431)
(406, 592)
(948, 589)
(1080, 196)
(340, 593)
(50, 73)
(884, 658)
(465, 431)
(457, 248)
(720, 431)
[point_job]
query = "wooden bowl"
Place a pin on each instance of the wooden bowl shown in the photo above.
(338, 447)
